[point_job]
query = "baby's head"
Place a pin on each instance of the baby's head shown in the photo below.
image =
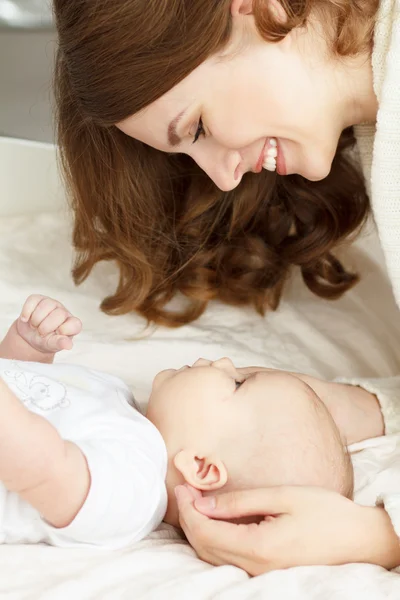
(226, 429)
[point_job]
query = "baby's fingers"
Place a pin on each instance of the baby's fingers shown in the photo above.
(45, 307)
(51, 322)
(29, 306)
(56, 342)
(72, 326)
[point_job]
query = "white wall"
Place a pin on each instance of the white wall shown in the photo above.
(29, 179)
(26, 65)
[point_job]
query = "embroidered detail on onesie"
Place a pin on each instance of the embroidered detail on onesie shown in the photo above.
(41, 392)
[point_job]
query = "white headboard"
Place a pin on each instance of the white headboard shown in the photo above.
(29, 180)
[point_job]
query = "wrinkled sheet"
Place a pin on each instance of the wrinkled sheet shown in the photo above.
(356, 336)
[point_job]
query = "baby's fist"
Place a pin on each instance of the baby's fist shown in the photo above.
(46, 325)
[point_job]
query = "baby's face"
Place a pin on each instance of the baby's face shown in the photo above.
(228, 428)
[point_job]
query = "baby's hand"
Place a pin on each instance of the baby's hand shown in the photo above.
(46, 325)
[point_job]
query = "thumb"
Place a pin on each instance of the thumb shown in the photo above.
(63, 342)
(242, 503)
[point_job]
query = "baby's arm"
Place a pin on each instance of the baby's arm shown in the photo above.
(43, 328)
(35, 462)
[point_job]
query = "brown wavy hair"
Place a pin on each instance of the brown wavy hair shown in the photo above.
(168, 228)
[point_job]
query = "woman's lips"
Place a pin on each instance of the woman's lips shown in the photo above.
(260, 162)
(280, 160)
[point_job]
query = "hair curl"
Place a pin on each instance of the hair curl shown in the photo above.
(158, 216)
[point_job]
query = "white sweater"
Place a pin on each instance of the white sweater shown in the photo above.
(380, 156)
(380, 145)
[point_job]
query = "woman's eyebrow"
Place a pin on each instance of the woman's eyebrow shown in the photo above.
(173, 137)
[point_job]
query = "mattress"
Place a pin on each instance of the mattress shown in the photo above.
(355, 336)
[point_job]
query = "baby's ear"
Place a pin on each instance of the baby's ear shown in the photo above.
(201, 472)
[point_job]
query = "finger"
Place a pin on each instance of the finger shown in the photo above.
(72, 326)
(56, 342)
(241, 503)
(193, 491)
(218, 542)
(64, 342)
(53, 321)
(42, 310)
(200, 527)
(29, 306)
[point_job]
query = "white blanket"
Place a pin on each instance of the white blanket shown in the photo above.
(359, 335)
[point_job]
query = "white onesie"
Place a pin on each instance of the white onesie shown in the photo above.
(126, 455)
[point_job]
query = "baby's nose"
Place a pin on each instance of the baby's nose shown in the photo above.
(225, 364)
(202, 362)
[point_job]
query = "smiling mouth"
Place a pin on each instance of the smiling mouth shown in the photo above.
(271, 158)
(260, 162)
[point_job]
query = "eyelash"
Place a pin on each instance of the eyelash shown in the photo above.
(200, 131)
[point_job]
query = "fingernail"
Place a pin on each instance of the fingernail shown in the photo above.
(24, 319)
(206, 503)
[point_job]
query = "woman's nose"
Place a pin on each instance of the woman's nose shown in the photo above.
(219, 163)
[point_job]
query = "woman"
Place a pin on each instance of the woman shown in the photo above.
(205, 144)
(169, 227)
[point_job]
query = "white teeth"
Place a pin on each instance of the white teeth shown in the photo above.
(270, 164)
(272, 153)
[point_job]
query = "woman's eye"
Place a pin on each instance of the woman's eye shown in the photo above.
(238, 383)
(200, 131)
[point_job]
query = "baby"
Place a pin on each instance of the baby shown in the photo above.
(80, 465)
(227, 428)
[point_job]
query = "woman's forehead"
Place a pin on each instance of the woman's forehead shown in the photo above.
(156, 123)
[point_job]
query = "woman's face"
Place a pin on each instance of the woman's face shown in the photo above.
(226, 111)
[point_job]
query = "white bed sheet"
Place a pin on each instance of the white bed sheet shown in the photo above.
(358, 335)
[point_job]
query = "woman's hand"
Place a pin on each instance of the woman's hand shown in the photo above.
(299, 526)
